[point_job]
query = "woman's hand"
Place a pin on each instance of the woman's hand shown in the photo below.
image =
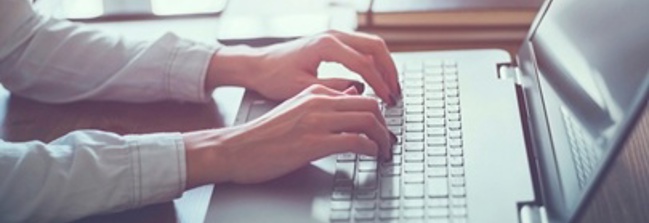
(281, 71)
(316, 123)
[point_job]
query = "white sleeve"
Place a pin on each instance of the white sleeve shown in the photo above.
(86, 173)
(58, 61)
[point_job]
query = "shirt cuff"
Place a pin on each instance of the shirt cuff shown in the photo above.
(188, 70)
(158, 162)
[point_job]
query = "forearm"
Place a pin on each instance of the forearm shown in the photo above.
(86, 173)
(58, 61)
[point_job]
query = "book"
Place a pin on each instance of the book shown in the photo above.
(473, 18)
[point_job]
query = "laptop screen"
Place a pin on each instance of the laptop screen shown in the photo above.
(592, 60)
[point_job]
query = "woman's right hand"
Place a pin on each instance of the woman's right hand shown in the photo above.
(314, 124)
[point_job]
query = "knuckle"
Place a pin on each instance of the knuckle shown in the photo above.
(327, 40)
(367, 119)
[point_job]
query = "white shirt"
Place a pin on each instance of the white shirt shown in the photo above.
(91, 172)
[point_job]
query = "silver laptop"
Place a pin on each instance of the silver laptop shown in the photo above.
(482, 138)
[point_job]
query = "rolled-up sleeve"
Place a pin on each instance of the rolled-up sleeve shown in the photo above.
(58, 61)
(88, 172)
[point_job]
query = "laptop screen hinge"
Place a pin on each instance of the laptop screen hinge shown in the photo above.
(509, 72)
(531, 213)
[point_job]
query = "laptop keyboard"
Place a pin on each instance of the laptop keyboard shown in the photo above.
(424, 182)
(584, 153)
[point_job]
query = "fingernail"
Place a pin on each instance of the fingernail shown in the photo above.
(360, 87)
(393, 100)
(393, 138)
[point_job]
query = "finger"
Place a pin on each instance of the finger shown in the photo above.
(351, 91)
(359, 104)
(333, 50)
(376, 47)
(359, 122)
(341, 84)
(348, 142)
(320, 89)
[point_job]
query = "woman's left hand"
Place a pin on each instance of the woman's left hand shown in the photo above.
(283, 70)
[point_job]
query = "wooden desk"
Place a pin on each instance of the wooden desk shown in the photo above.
(623, 198)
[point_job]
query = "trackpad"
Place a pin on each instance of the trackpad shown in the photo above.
(301, 196)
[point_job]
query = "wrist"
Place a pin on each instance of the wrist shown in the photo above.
(207, 156)
(233, 66)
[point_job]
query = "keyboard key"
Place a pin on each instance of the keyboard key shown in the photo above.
(414, 203)
(344, 171)
(414, 146)
(395, 129)
(455, 152)
(455, 125)
(391, 171)
(415, 109)
(438, 212)
(438, 202)
(413, 157)
(365, 194)
(390, 187)
(393, 121)
(386, 215)
(414, 137)
(396, 160)
(435, 122)
(455, 134)
(458, 211)
(437, 141)
(456, 161)
(434, 87)
(458, 201)
(413, 213)
(341, 205)
(389, 204)
(453, 101)
(364, 205)
(392, 111)
(414, 127)
(457, 181)
(458, 191)
(341, 195)
(457, 171)
(366, 158)
(413, 167)
(436, 151)
(437, 161)
(367, 166)
(396, 149)
(435, 113)
(436, 131)
(413, 75)
(434, 104)
(413, 178)
(438, 171)
(413, 92)
(340, 216)
(416, 118)
(413, 83)
(417, 100)
(366, 180)
(437, 187)
(452, 93)
(364, 215)
(346, 157)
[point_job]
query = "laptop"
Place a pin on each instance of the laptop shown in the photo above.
(483, 138)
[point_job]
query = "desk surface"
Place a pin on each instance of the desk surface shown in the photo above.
(623, 196)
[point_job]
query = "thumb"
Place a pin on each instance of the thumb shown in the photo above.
(340, 84)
